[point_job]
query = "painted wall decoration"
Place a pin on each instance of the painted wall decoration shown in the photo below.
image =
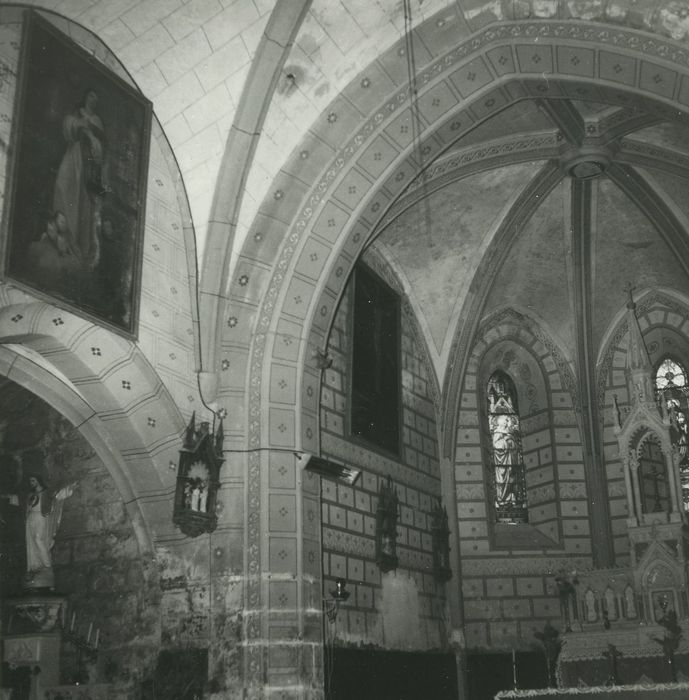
(76, 219)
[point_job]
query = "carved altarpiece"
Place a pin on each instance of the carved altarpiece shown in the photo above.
(629, 607)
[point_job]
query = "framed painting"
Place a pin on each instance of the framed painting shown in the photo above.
(77, 181)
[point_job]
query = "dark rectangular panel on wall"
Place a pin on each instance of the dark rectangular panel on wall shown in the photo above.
(490, 673)
(375, 414)
(181, 674)
(75, 222)
(391, 675)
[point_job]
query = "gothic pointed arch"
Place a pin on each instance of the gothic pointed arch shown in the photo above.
(647, 484)
(291, 275)
(516, 358)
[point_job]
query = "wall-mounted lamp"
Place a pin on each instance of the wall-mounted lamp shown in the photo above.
(339, 595)
(441, 544)
(327, 468)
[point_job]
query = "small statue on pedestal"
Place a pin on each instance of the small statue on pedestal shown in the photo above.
(43, 515)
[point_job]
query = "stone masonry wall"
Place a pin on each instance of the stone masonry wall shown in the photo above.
(508, 570)
(402, 609)
(96, 557)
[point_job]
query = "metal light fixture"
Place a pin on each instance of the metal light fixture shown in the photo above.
(386, 526)
(198, 472)
(441, 544)
(339, 595)
(328, 468)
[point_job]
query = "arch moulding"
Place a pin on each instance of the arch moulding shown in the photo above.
(334, 221)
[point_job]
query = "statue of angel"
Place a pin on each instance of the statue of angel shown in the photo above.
(43, 514)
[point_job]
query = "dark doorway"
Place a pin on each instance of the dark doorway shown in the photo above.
(390, 675)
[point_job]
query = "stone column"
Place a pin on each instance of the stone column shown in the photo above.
(283, 641)
(582, 240)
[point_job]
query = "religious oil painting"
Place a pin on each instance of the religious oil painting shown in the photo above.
(76, 217)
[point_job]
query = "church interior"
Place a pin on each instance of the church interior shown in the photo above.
(344, 349)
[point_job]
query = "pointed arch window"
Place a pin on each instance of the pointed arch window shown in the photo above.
(508, 478)
(672, 388)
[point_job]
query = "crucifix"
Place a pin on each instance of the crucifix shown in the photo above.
(612, 654)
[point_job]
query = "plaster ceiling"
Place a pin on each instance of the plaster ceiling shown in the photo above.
(437, 246)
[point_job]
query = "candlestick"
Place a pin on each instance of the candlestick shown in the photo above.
(88, 636)
(74, 617)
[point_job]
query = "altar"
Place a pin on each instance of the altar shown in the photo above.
(663, 691)
(630, 655)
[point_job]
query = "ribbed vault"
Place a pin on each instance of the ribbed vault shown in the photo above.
(499, 168)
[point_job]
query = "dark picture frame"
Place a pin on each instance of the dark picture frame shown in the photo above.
(375, 390)
(78, 166)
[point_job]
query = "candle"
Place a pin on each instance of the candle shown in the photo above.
(62, 615)
(514, 668)
(95, 645)
(88, 636)
(71, 627)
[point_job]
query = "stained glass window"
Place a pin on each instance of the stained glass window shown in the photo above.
(671, 388)
(655, 494)
(507, 464)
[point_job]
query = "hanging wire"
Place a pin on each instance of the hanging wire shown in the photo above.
(416, 124)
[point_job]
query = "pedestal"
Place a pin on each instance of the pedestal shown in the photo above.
(32, 638)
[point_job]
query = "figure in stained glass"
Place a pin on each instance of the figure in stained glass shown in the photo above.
(507, 462)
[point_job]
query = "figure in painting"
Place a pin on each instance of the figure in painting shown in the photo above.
(80, 184)
(53, 254)
(43, 514)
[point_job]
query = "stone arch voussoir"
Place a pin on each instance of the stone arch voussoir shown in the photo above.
(66, 399)
(105, 386)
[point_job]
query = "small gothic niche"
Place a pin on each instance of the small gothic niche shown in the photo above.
(441, 544)
(386, 526)
(198, 472)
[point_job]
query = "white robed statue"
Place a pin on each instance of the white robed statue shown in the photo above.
(43, 514)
